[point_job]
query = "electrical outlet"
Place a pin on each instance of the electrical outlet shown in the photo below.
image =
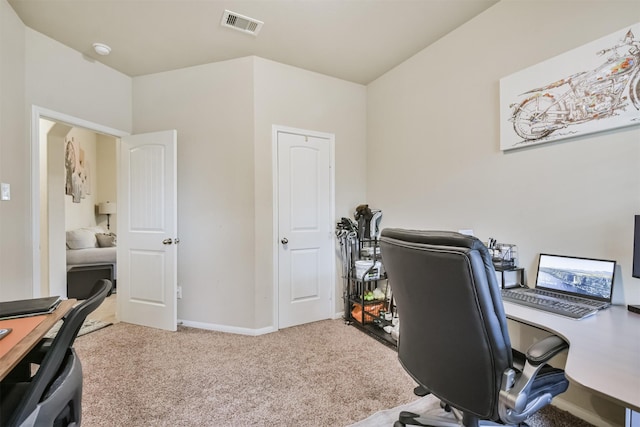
(179, 292)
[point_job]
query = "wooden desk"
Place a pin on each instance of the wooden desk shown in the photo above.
(18, 350)
(604, 350)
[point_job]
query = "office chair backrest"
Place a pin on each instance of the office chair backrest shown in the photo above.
(453, 334)
(57, 353)
(61, 405)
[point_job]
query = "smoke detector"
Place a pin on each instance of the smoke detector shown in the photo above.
(241, 23)
(101, 49)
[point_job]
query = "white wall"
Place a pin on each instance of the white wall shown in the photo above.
(211, 106)
(35, 70)
(52, 236)
(15, 249)
(433, 142)
(61, 79)
(224, 114)
(64, 80)
(292, 97)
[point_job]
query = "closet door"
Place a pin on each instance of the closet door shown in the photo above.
(305, 218)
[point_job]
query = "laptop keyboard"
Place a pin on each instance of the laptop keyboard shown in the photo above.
(571, 307)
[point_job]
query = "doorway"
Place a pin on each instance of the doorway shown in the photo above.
(78, 172)
(304, 212)
(133, 151)
(49, 178)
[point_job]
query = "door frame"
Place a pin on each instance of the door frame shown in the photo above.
(275, 129)
(38, 113)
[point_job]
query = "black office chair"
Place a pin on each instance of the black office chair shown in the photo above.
(53, 396)
(453, 336)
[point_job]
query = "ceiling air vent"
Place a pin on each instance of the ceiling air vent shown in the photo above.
(241, 23)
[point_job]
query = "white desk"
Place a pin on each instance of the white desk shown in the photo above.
(604, 350)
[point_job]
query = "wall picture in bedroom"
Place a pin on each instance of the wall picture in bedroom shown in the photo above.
(78, 183)
(589, 89)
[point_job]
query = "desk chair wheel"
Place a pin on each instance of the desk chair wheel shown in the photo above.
(420, 391)
(408, 418)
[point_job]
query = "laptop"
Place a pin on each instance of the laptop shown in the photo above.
(28, 307)
(571, 286)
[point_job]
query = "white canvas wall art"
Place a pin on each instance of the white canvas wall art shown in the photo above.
(589, 89)
(78, 183)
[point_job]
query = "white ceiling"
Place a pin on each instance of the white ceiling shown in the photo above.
(354, 40)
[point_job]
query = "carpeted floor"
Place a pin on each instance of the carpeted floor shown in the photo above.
(320, 374)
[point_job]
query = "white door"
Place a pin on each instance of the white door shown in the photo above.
(147, 230)
(305, 218)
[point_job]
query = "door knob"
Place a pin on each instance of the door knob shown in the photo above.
(167, 241)
(284, 241)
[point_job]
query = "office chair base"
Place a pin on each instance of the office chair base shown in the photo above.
(412, 419)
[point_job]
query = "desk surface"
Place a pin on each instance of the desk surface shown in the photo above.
(31, 330)
(604, 349)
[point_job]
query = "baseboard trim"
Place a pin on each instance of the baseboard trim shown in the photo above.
(227, 329)
(238, 330)
(581, 413)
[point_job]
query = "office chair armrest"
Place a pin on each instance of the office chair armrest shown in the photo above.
(514, 393)
(542, 351)
(37, 354)
(22, 371)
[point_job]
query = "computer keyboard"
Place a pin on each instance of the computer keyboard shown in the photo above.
(570, 299)
(567, 309)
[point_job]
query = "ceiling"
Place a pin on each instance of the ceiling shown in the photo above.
(354, 40)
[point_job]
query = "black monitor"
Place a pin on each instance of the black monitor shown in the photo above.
(636, 248)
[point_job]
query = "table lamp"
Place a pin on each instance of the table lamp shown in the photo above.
(107, 208)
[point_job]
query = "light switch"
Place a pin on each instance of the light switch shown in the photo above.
(5, 191)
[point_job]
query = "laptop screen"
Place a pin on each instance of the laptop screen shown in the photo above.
(582, 277)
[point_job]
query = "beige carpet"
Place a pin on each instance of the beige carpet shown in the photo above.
(320, 374)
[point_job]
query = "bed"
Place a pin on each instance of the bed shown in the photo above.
(91, 255)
